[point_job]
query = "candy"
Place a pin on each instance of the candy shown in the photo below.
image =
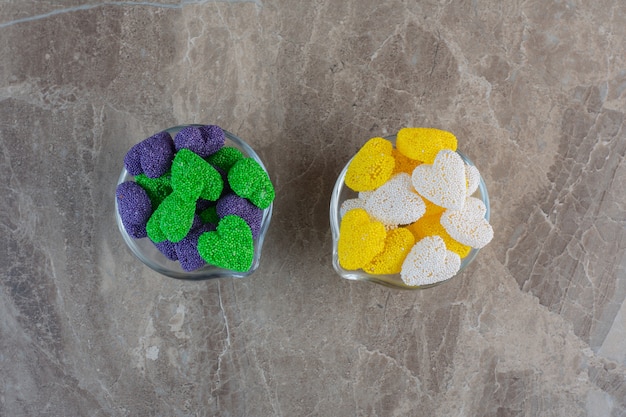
(233, 204)
(209, 215)
(429, 262)
(423, 143)
(156, 154)
(468, 225)
(431, 226)
(473, 178)
(175, 217)
(193, 177)
(397, 245)
(443, 182)
(225, 158)
(202, 140)
(168, 249)
(187, 249)
(249, 180)
(403, 163)
(157, 188)
(360, 239)
(395, 202)
(132, 160)
(371, 166)
(134, 208)
(350, 204)
(231, 246)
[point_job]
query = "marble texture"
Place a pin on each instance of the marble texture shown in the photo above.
(534, 90)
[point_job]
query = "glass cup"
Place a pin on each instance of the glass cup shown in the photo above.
(342, 193)
(147, 252)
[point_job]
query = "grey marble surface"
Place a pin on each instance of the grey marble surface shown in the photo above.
(535, 92)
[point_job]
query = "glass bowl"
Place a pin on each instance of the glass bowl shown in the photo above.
(147, 252)
(341, 193)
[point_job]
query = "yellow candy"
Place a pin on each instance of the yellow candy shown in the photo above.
(432, 209)
(423, 143)
(397, 246)
(360, 239)
(372, 166)
(403, 163)
(431, 226)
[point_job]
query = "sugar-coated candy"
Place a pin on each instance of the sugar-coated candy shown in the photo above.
(249, 180)
(398, 243)
(360, 239)
(193, 177)
(429, 262)
(395, 202)
(431, 226)
(157, 188)
(442, 182)
(403, 163)
(209, 215)
(187, 249)
(153, 227)
(424, 143)
(468, 225)
(350, 204)
(132, 160)
(176, 216)
(168, 249)
(233, 204)
(473, 178)
(156, 154)
(225, 158)
(203, 204)
(134, 208)
(202, 140)
(230, 246)
(371, 166)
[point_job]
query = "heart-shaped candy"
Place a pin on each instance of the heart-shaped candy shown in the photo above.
(443, 182)
(230, 247)
(397, 245)
(248, 179)
(429, 262)
(423, 143)
(395, 202)
(468, 225)
(360, 239)
(371, 166)
(431, 226)
(176, 216)
(193, 177)
(350, 204)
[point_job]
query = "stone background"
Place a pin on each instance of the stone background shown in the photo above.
(534, 90)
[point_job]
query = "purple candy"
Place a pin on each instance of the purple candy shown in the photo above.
(134, 208)
(233, 204)
(168, 249)
(157, 154)
(202, 140)
(203, 204)
(187, 249)
(132, 160)
(214, 138)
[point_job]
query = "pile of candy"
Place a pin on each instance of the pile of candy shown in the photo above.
(200, 202)
(415, 214)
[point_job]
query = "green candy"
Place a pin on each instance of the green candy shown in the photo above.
(209, 215)
(153, 227)
(225, 158)
(175, 217)
(193, 177)
(230, 247)
(249, 180)
(156, 188)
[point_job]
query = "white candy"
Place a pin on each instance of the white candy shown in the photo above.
(468, 225)
(429, 262)
(350, 204)
(395, 202)
(473, 178)
(443, 182)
